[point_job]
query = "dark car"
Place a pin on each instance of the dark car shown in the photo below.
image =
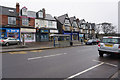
(91, 42)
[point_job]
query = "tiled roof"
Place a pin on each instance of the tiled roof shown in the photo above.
(8, 11)
(62, 18)
(49, 17)
(72, 19)
(31, 14)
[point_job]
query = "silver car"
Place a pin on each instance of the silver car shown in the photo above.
(8, 41)
(109, 45)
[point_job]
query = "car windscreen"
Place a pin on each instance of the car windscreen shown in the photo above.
(111, 40)
(90, 40)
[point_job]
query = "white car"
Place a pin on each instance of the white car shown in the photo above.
(109, 45)
(8, 41)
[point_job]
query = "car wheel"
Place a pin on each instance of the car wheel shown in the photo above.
(18, 43)
(112, 55)
(7, 44)
(100, 54)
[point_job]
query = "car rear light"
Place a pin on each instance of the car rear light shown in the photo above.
(2, 41)
(119, 46)
(99, 45)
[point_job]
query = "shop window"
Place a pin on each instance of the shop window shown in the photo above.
(3, 33)
(29, 36)
(13, 35)
(12, 20)
(44, 37)
(75, 37)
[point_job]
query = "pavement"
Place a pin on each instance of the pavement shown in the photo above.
(34, 46)
(116, 75)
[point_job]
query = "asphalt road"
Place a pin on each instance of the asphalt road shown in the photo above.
(66, 63)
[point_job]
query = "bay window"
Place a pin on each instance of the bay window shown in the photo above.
(12, 20)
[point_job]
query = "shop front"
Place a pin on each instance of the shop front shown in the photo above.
(10, 32)
(75, 36)
(52, 32)
(28, 34)
(81, 37)
(69, 33)
(42, 35)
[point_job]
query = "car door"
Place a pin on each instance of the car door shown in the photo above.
(14, 41)
(9, 41)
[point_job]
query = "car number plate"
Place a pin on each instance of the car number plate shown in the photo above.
(108, 45)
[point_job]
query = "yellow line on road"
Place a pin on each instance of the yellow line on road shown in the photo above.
(21, 52)
(36, 51)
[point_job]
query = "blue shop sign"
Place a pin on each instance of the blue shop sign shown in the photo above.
(12, 30)
(75, 33)
(80, 35)
(68, 33)
(44, 31)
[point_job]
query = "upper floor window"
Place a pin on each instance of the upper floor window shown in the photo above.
(67, 22)
(24, 11)
(12, 20)
(74, 24)
(49, 23)
(42, 23)
(40, 14)
(25, 21)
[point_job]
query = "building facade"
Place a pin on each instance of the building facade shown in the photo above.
(27, 24)
(75, 29)
(64, 25)
(8, 25)
(46, 25)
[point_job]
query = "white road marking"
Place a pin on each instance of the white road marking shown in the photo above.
(85, 71)
(46, 56)
(107, 63)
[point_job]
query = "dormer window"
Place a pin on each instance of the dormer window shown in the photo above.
(40, 14)
(24, 11)
(67, 23)
(11, 10)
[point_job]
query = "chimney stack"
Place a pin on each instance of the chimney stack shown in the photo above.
(17, 8)
(44, 15)
(77, 20)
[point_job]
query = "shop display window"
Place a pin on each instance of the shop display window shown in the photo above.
(29, 36)
(75, 37)
(3, 33)
(13, 35)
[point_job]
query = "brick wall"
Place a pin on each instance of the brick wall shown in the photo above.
(4, 19)
(32, 22)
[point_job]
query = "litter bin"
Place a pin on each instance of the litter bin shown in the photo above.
(71, 43)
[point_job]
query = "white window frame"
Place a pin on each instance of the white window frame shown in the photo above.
(12, 20)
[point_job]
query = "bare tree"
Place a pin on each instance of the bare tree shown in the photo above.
(97, 29)
(108, 28)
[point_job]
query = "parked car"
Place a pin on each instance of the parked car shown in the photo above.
(8, 41)
(91, 42)
(109, 45)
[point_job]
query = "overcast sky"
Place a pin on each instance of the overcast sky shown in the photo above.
(97, 11)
